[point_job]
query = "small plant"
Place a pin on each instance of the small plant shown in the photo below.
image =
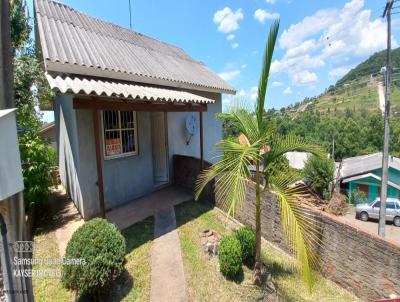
(230, 256)
(247, 239)
(357, 196)
(101, 245)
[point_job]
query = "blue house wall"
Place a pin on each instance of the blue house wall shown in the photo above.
(126, 178)
(374, 185)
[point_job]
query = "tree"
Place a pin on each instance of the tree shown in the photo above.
(320, 174)
(260, 145)
(30, 86)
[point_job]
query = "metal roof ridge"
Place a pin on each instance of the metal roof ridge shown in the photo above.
(187, 84)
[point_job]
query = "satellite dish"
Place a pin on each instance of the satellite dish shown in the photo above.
(191, 126)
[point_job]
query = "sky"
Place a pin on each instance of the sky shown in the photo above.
(318, 42)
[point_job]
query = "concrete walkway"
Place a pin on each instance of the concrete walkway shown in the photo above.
(66, 217)
(144, 207)
(168, 282)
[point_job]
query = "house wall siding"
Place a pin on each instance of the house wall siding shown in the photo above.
(125, 178)
(128, 178)
(68, 148)
(177, 134)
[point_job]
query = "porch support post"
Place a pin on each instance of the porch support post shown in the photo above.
(96, 129)
(201, 141)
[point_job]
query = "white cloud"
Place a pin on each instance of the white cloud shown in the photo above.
(241, 93)
(276, 84)
(293, 65)
(270, 1)
(244, 66)
(253, 93)
(235, 45)
(339, 71)
(309, 26)
(228, 20)
(304, 48)
(230, 37)
(261, 15)
(288, 90)
(337, 35)
(229, 75)
(304, 77)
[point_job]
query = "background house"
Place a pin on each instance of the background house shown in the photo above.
(48, 134)
(364, 173)
(125, 105)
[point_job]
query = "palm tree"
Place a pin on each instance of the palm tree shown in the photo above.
(261, 146)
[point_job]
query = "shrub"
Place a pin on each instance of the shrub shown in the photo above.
(320, 174)
(230, 256)
(247, 239)
(102, 247)
(357, 196)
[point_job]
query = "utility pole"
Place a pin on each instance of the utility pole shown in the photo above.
(6, 79)
(385, 155)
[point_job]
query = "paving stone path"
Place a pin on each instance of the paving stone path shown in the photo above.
(168, 282)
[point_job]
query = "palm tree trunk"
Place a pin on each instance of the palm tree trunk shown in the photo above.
(257, 265)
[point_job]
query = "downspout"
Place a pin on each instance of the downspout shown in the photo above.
(3, 230)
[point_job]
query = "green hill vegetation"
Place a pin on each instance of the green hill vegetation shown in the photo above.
(357, 90)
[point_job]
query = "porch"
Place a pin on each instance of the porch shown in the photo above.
(138, 210)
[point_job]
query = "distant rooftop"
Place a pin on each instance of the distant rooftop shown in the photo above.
(362, 164)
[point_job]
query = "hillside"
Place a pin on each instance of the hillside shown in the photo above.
(360, 89)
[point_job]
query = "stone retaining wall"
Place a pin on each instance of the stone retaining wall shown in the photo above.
(363, 263)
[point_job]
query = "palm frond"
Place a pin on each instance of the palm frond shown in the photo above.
(245, 122)
(267, 60)
(231, 174)
(283, 144)
(300, 226)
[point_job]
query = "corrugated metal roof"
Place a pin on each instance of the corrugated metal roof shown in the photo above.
(76, 43)
(362, 164)
(110, 88)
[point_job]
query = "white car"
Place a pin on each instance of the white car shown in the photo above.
(366, 211)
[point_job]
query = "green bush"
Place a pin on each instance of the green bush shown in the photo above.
(357, 196)
(247, 239)
(320, 173)
(230, 256)
(102, 247)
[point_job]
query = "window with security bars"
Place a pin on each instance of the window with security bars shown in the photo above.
(119, 131)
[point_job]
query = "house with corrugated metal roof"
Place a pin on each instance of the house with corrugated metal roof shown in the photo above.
(364, 173)
(125, 105)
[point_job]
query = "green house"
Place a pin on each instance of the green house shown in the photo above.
(363, 173)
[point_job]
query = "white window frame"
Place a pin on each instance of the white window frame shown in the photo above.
(135, 130)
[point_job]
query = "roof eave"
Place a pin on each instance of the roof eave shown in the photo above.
(60, 67)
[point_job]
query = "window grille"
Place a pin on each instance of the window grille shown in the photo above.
(119, 132)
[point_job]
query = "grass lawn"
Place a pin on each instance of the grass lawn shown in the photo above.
(132, 285)
(205, 282)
